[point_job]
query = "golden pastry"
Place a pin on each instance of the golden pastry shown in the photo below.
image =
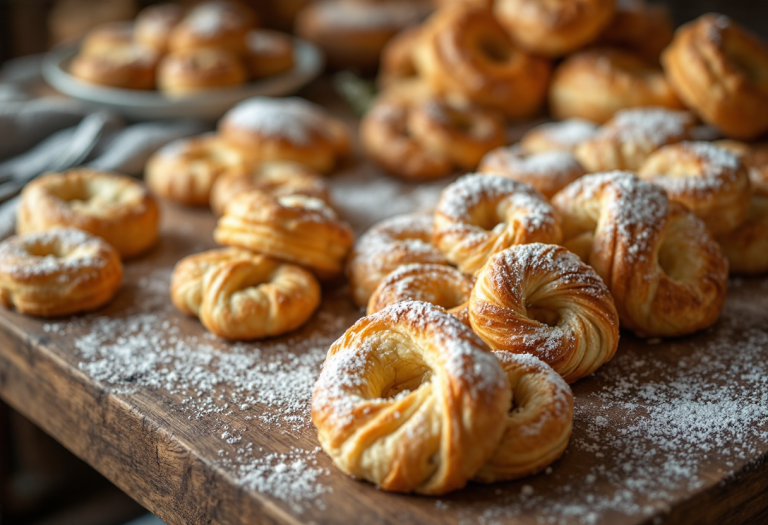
(541, 299)
(397, 63)
(240, 295)
(626, 140)
(558, 136)
(482, 214)
(721, 71)
(290, 129)
(107, 36)
(538, 426)
(465, 53)
(58, 272)
(277, 179)
(155, 23)
(268, 53)
(213, 25)
(547, 172)
(596, 83)
(394, 242)
(184, 170)
(295, 228)
(642, 27)
(710, 181)
(437, 284)
(664, 269)
(409, 399)
(188, 72)
(127, 66)
(114, 207)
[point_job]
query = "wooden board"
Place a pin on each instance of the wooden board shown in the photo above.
(203, 431)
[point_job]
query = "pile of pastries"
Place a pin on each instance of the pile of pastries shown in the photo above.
(179, 51)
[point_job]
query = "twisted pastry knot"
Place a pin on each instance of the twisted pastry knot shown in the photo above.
(480, 215)
(295, 228)
(239, 295)
(409, 399)
(666, 273)
(542, 300)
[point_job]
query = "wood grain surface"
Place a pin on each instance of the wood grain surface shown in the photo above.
(202, 431)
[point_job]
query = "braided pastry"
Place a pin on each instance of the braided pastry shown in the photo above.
(239, 295)
(436, 284)
(61, 271)
(394, 242)
(626, 140)
(464, 52)
(557, 136)
(114, 207)
(538, 426)
(542, 300)
(295, 228)
(666, 273)
(721, 71)
(708, 180)
(409, 399)
(479, 215)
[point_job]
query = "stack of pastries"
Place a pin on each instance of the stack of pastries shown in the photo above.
(180, 51)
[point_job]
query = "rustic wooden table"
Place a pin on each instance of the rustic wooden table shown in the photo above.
(202, 431)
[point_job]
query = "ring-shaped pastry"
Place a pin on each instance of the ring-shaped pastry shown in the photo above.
(277, 179)
(184, 170)
(539, 424)
(558, 136)
(410, 400)
(667, 275)
(116, 208)
(397, 63)
(387, 245)
(642, 27)
(295, 228)
(710, 181)
(437, 284)
(547, 172)
(479, 215)
(58, 272)
(541, 299)
(721, 71)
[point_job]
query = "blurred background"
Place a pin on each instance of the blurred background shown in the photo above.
(40, 482)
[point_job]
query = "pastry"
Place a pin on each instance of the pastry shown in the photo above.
(667, 275)
(127, 66)
(409, 399)
(114, 207)
(721, 71)
(289, 129)
(184, 170)
(295, 228)
(466, 54)
(482, 214)
(710, 181)
(239, 295)
(277, 179)
(541, 299)
(557, 136)
(58, 272)
(645, 28)
(268, 53)
(547, 172)
(626, 140)
(394, 242)
(183, 73)
(596, 83)
(437, 284)
(155, 23)
(553, 28)
(105, 37)
(213, 25)
(397, 63)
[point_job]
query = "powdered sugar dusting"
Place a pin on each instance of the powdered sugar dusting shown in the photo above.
(655, 126)
(566, 134)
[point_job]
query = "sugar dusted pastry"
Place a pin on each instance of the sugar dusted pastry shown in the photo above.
(708, 180)
(184, 170)
(409, 399)
(558, 136)
(155, 23)
(482, 214)
(213, 25)
(394, 242)
(666, 273)
(626, 140)
(437, 284)
(61, 271)
(116, 208)
(541, 299)
(294, 228)
(538, 426)
(288, 129)
(721, 71)
(183, 73)
(240, 295)
(268, 53)
(547, 172)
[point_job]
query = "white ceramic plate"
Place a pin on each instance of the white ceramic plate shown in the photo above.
(153, 105)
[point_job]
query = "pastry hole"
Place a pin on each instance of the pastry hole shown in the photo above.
(407, 381)
(44, 250)
(543, 315)
(670, 261)
(495, 50)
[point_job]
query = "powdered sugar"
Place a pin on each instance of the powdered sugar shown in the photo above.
(654, 126)
(566, 134)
